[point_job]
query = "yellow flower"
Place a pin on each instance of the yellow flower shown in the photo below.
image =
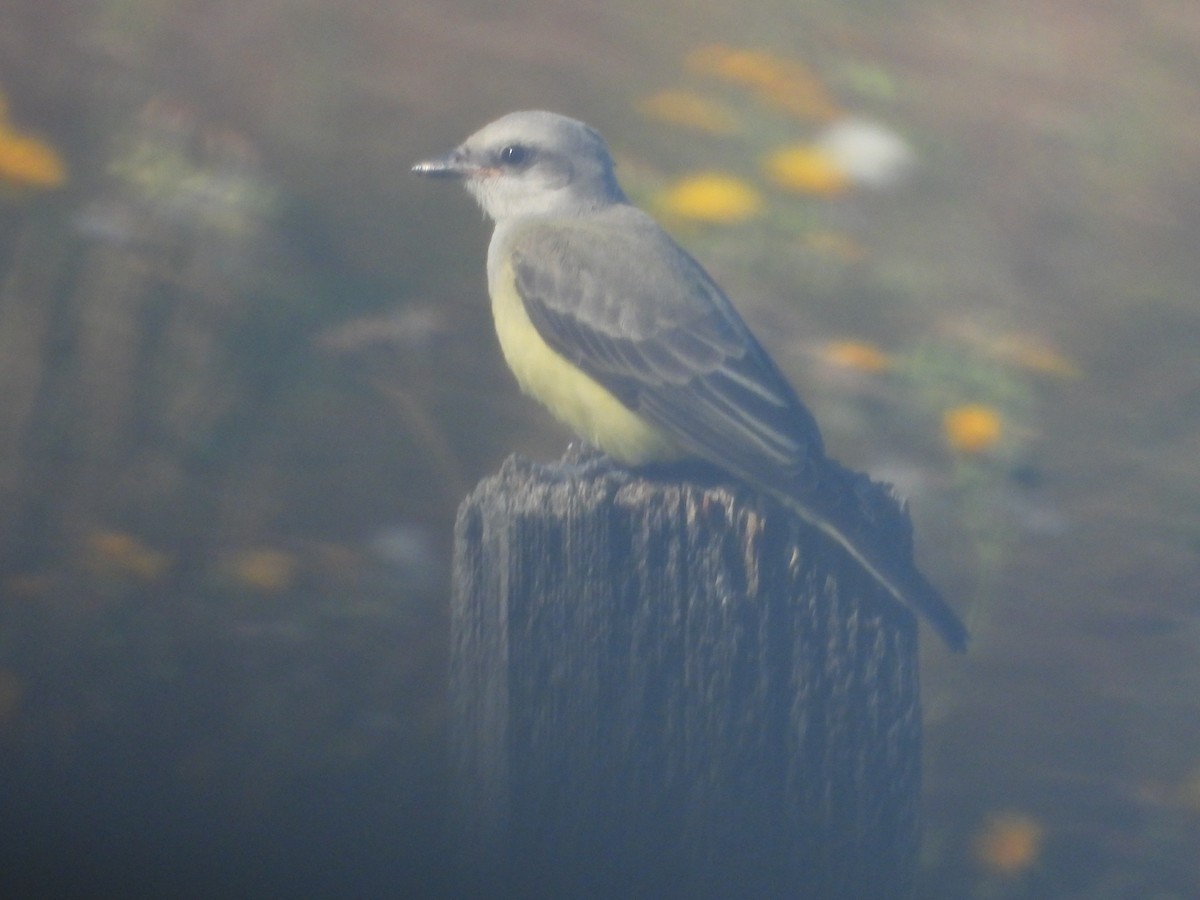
(1009, 844)
(269, 571)
(806, 169)
(860, 356)
(114, 554)
(689, 110)
(972, 428)
(712, 197)
(784, 83)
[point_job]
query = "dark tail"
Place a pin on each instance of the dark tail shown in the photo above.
(870, 523)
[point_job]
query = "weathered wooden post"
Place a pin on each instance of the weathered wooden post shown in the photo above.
(666, 689)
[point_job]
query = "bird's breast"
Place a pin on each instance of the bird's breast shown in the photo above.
(572, 396)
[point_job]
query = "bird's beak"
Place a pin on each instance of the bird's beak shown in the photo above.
(452, 165)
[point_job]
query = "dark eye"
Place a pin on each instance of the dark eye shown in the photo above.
(515, 155)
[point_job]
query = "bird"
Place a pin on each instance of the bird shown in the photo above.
(628, 341)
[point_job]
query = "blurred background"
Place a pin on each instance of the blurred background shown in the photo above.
(247, 372)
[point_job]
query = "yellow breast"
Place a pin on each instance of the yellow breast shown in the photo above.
(573, 397)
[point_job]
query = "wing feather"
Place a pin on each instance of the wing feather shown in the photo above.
(639, 316)
(642, 318)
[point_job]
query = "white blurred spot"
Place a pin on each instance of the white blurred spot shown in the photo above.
(870, 153)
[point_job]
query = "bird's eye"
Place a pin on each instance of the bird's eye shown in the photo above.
(515, 155)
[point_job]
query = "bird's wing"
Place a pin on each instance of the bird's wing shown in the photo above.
(644, 320)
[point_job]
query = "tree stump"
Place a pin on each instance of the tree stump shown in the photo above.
(667, 688)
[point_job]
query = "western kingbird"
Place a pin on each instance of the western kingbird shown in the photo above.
(619, 331)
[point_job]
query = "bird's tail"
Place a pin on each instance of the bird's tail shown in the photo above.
(869, 521)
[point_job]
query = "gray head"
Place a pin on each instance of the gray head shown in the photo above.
(532, 164)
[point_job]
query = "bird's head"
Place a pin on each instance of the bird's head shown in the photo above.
(531, 164)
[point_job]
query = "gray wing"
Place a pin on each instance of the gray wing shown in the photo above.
(642, 318)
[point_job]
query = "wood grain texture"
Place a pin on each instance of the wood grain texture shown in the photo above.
(665, 687)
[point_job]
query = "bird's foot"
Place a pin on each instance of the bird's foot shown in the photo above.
(582, 460)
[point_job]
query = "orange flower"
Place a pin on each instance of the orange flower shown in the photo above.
(972, 428)
(1009, 844)
(269, 571)
(26, 161)
(860, 356)
(114, 554)
(1034, 355)
(689, 110)
(784, 83)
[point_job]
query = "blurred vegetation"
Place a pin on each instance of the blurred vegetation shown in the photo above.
(248, 372)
